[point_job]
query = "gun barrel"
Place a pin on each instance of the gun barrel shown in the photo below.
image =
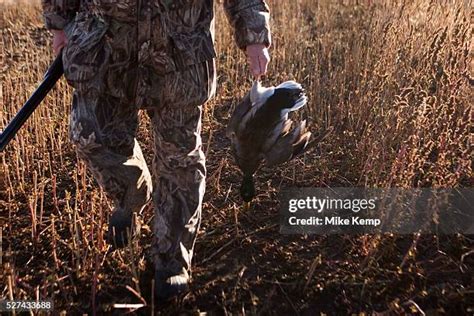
(53, 74)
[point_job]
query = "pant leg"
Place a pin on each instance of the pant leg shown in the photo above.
(100, 62)
(179, 165)
(103, 130)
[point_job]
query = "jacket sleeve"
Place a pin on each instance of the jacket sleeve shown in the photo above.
(57, 13)
(250, 20)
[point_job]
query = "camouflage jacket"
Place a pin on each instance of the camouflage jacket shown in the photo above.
(184, 28)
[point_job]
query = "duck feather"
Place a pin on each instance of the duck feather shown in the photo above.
(260, 129)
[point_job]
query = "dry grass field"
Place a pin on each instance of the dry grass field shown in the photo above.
(392, 78)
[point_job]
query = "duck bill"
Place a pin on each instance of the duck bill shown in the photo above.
(246, 206)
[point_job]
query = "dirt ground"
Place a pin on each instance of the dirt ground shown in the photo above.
(394, 80)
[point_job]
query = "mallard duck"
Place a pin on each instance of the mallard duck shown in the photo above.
(261, 132)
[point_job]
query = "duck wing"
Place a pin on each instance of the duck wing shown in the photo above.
(244, 129)
(240, 111)
(288, 146)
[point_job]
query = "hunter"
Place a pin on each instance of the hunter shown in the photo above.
(158, 56)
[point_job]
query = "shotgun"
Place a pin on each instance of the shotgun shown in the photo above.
(52, 76)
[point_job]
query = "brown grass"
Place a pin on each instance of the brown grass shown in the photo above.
(393, 78)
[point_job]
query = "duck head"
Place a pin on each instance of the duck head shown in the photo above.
(247, 189)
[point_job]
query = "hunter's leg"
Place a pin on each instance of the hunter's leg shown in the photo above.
(179, 170)
(100, 63)
(103, 130)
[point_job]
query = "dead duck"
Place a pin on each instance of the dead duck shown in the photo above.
(261, 132)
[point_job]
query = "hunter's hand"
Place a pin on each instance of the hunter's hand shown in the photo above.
(59, 41)
(258, 59)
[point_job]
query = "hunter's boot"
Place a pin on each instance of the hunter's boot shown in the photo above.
(120, 228)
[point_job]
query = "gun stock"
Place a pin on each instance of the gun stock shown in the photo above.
(52, 76)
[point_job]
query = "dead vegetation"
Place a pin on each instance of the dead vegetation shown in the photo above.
(393, 78)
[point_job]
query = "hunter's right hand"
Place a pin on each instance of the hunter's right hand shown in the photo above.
(59, 40)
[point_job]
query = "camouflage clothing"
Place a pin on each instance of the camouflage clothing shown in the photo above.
(157, 55)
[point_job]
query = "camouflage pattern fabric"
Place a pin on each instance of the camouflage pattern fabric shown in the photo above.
(164, 25)
(156, 55)
(179, 165)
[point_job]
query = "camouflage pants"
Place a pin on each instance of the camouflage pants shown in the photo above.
(104, 120)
